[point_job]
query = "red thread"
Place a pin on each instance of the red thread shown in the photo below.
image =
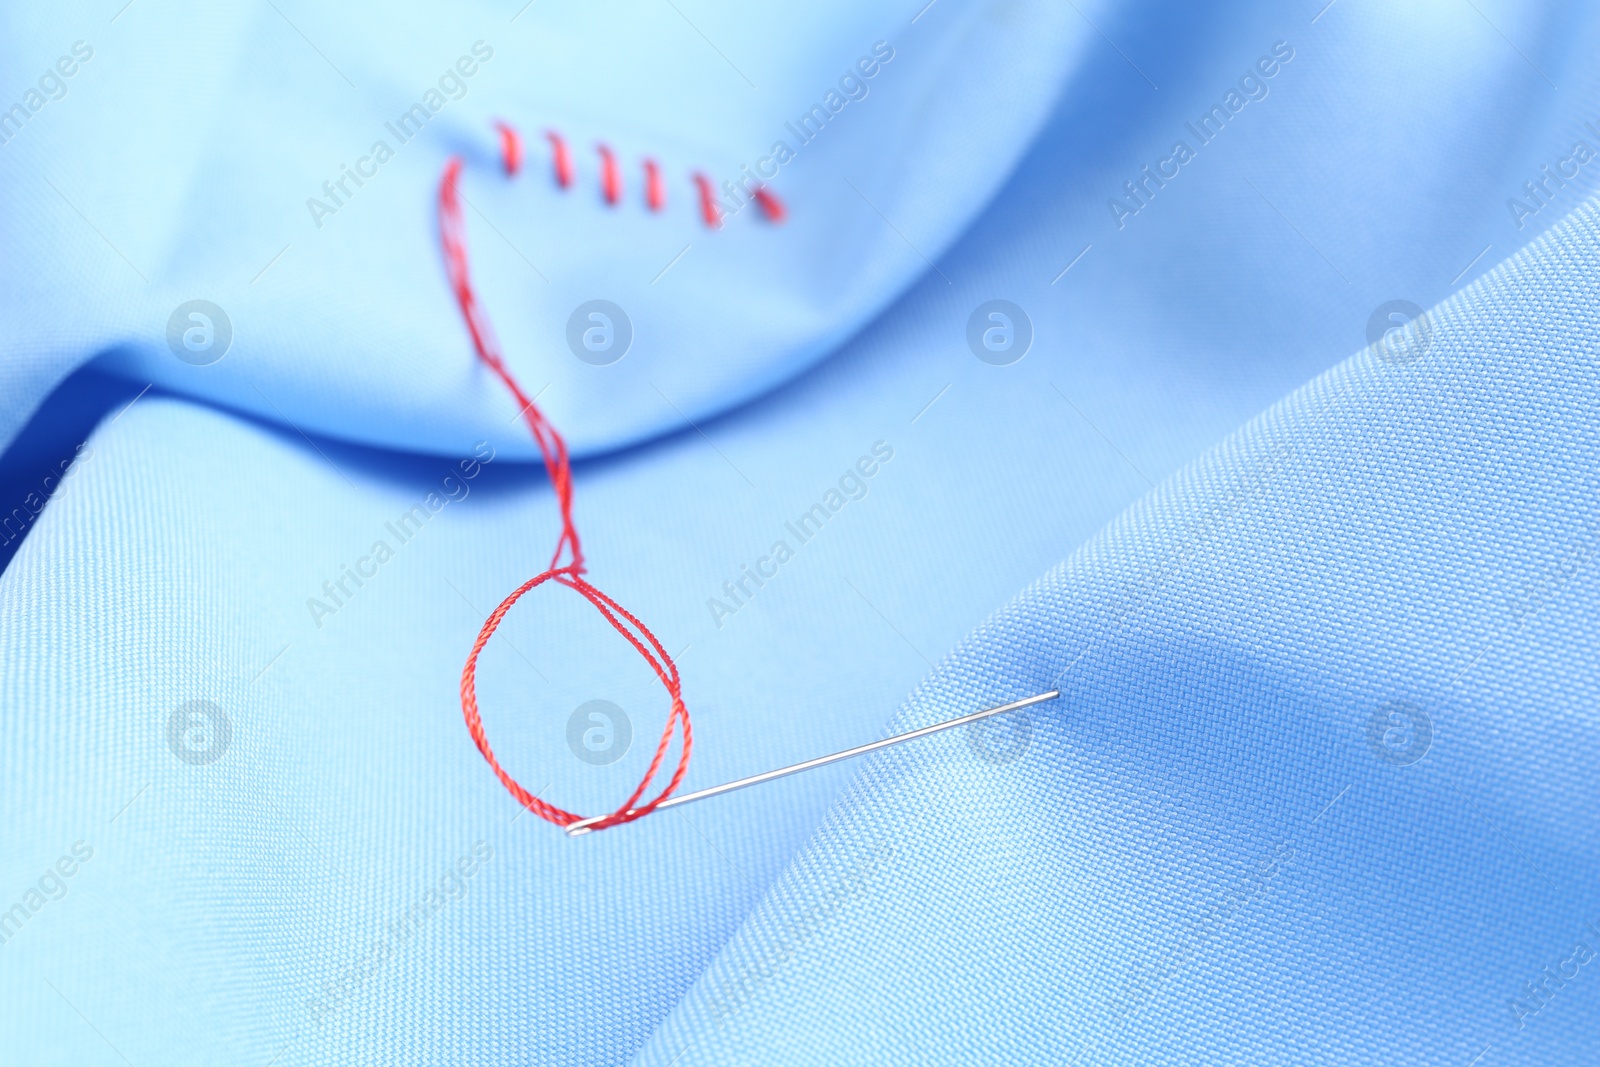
(452, 238)
(510, 148)
(655, 191)
(709, 211)
(610, 176)
(771, 206)
(560, 158)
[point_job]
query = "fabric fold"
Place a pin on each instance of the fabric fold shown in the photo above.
(1327, 709)
(287, 182)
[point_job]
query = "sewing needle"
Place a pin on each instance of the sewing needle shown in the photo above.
(582, 826)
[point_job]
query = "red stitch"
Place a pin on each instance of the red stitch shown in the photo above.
(452, 238)
(709, 211)
(510, 148)
(560, 158)
(610, 176)
(655, 191)
(771, 206)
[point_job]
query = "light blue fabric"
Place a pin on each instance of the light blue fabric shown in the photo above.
(1209, 856)
(1199, 856)
(181, 162)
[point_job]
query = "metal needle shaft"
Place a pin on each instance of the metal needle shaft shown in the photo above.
(582, 826)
